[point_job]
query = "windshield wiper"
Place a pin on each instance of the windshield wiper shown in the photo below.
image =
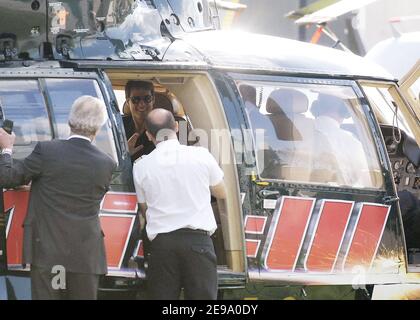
(151, 51)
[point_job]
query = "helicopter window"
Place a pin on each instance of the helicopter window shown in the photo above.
(385, 109)
(22, 102)
(311, 133)
(62, 93)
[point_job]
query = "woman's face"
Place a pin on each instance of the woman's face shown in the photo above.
(141, 102)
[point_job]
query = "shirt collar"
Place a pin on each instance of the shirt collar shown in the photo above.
(79, 137)
(169, 142)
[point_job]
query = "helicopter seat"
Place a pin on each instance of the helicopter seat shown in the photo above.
(286, 109)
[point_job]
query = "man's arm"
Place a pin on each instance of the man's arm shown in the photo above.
(8, 172)
(142, 216)
(143, 208)
(219, 190)
(141, 199)
(13, 172)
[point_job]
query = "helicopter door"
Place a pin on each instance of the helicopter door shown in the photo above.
(39, 108)
(319, 200)
(22, 102)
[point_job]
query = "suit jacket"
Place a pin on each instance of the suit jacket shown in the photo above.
(69, 179)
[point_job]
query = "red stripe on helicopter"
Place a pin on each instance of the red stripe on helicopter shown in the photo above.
(252, 247)
(119, 202)
(286, 235)
(117, 229)
(367, 235)
(327, 240)
(17, 201)
(255, 224)
(290, 225)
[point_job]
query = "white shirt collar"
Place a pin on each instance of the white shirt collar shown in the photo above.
(167, 143)
(78, 136)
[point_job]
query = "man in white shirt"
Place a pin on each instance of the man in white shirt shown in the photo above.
(343, 146)
(174, 184)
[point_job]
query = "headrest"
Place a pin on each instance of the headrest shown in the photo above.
(326, 104)
(287, 101)
(126, 108)
(162, 101)
(248, 93)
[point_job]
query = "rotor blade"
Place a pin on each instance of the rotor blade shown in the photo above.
(333, 11)
(314, 7)
(231, 6)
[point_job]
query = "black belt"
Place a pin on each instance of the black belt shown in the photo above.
(192, 231)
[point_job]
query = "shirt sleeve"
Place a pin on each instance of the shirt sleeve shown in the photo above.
(216, 174)
(141, 198)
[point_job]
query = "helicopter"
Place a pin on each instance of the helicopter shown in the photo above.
(312, 208)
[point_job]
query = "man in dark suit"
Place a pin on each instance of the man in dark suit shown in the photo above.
(62, 231)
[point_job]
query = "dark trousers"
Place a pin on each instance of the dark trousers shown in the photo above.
(46, 285)
(182, 259)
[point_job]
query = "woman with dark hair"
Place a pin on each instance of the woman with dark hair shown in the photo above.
(140, 99)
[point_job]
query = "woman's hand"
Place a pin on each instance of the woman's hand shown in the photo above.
(132, 149)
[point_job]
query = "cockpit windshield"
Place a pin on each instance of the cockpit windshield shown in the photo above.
(98, 29)
(110, 29)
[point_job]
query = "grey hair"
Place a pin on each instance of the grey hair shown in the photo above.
(87, 116)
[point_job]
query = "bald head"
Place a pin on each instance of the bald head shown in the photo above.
(160, 119)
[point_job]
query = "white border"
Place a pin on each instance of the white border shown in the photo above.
(321, 211)
(267, 204)
(258, 217)
(9, 221)
(128, 234)
(273, 229)
(356, 227)
(139, 242)
(120, 193)
(256, 250)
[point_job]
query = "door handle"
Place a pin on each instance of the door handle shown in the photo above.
(390, 199)
(267, 193)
